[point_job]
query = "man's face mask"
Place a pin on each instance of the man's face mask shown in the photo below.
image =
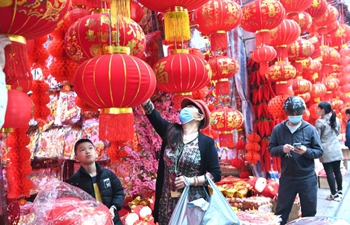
(295, 119)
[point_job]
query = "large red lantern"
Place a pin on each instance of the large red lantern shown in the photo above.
(318, 90)
(301, 86)
(317, 8)
(263, 55)
(223, 68)
(331, 14)
(303, 19)
(225, 120)
(217, 17)
(136, 11)
(296, 6)
(32, 19)
(115, 83)
(260, 16)
(180, 74)
(284, 34)
(18, 110)
(298, 51)
(87, 37)
(275, 106)
(281, 71)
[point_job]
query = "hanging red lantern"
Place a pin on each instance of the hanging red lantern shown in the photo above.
(98, 82)
(306, 96)
(136, 11)
(32, 19)
(180, 74)
(303, 19)
(317, 91)
(284, 34)
(263, 55)
(339, 37)
(23, 84)
(225, 120)
(306, 115)
(260, 16)
(294, 7)
(275, 106)
(298, 51)
(18, 110)
(281, 71)
(218, 17)
(330, 15)
(87, 37)
(254, 147)
(240, 145)
(301, 85)
(223, 68)
(253, 137)
(317, 8)
(76, 13)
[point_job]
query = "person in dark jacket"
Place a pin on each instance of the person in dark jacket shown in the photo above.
(298, 144)
(100, 183)
(186, 156)
(347, 132)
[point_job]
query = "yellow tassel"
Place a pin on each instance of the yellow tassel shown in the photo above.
(177, 25)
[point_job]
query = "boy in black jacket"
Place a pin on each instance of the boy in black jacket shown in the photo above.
(100, 183)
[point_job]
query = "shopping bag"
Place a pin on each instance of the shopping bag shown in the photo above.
(186, 212)
(219, 211)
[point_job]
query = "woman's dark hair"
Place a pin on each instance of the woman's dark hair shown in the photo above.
(347, 111)
(175, 133)
(327, 107)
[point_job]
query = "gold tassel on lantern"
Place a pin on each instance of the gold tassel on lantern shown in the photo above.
(177, 25)
(120, 8)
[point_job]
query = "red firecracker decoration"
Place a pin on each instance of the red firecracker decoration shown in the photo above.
(18, 166)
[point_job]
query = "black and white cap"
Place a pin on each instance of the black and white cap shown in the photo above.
(294, 104)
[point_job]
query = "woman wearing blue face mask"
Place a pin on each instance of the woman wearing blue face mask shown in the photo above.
(297, 143)
(186, 156)
(328, 128)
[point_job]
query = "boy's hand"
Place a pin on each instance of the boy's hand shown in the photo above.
(111, 211)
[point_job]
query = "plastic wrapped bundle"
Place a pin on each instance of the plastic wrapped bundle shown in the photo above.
(59, 203)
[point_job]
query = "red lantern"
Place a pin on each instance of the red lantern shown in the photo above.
(162, 6)
(317, 91)
(240, 145)
(300, 49)
(225, 120)
(331, 14)
(263, 55)
(317, 8)
(180, 74)
(281, 71)
(18, 110)
(306, 96)
(77, 13)
(252, 157)
(275, 106)
(23, 84)
(306, 115)
(32, 19)
(329, 55)
(87, 37)
(303, 19)
(136, 11)
(115, 83)
(294, 7)
(301, 86)
(218, 17)
(223, 15)
(284, 34)
(339, 37)
(260, 16)
(223, 68)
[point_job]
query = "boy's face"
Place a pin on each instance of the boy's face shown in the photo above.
(348, 116)
(86, 153)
